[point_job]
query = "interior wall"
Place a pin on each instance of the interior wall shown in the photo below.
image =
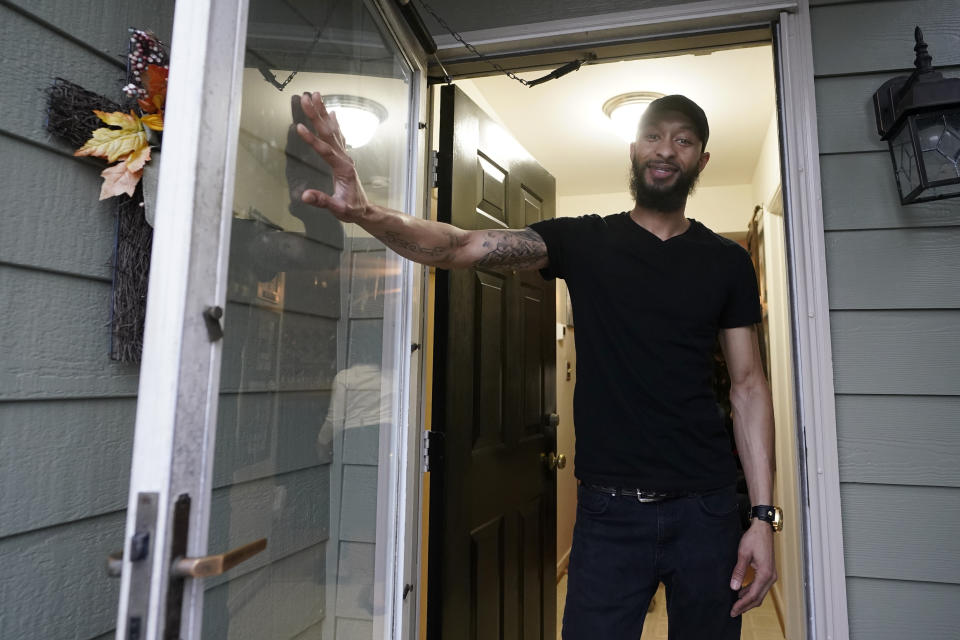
(766, 176)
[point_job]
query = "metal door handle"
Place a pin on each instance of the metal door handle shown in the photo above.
(202, 567)
(554, 461)
(207, 566)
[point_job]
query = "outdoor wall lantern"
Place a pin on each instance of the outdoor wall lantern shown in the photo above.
(919, 116)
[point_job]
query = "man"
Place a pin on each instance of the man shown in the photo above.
(651, 291)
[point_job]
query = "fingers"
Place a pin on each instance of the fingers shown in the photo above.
(337, 131)
(322, 200)
(334, 155)
(752, 595)
(739, 571)
(325, 124)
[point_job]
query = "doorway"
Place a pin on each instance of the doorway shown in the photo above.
(563, 126)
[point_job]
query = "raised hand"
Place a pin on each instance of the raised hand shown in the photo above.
(348, 202)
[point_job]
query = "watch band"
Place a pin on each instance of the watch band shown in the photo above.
(768, 513)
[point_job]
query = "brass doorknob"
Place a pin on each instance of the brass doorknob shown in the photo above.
(554, 461)
(207, 566)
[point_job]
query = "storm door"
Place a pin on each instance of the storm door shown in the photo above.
(267, 493)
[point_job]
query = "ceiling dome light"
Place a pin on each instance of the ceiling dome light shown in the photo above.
(358, 117)
(626, 109)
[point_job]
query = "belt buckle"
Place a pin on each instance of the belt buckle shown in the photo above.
(648, 496)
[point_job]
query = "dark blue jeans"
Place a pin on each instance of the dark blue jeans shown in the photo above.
(623, 549)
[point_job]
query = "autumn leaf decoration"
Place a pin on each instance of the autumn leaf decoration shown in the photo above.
(125, 143)
(125, 140)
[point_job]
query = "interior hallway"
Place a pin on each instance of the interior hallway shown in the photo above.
(758, 624)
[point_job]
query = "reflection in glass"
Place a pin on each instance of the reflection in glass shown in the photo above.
(306, 399)
(908, 175)
(940, 145)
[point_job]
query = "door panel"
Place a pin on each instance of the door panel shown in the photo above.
(492, 501)
(531, 313)
(487, 579)
(490, 325)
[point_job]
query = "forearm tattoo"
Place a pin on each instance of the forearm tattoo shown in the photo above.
(521, 249)
(410, 249)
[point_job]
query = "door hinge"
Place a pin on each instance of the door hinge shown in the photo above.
(433, 164)
(432, 448)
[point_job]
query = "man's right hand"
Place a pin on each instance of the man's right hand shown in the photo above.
(427, 242)
(348, 201)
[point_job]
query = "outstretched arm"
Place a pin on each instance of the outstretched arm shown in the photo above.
(753, 432)
(424, 241)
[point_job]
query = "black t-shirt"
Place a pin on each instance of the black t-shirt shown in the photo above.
(647, 314)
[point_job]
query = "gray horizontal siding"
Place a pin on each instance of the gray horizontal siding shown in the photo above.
(897, 610)
(63, 460)
(899, 439)
(33, 57)
(44, 194)
(903, 533)
(279, 427)
(355, 581)
(914, 352)
(66, 410)
(348, 628)
(290, 510)
(895, 329)
(102, 30)
(53, 583)
(845, 116)
(878, 36)
(358, 509)
(54, 338)
(895, 269)
(300, 356)
(288, 602)
(859, 192)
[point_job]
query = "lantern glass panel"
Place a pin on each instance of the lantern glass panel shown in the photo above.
(939, 138)
(905, 161)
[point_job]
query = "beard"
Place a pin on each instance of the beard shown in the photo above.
(665, 199)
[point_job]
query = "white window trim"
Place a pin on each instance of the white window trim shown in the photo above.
(820, 476)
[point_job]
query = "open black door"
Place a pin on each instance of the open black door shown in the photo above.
(493, 497)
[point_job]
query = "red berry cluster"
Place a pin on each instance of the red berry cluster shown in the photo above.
(145, 49)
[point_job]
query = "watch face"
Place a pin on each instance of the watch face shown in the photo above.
(777, 519)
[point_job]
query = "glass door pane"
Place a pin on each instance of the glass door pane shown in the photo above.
(307, 400)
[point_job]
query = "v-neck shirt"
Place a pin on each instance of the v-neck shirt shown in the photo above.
(646, 316)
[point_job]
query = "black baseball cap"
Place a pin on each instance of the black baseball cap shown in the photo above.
(687, 107)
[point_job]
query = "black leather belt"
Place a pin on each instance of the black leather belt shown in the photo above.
(641, 495)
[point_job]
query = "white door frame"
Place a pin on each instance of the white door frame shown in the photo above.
(817, 436)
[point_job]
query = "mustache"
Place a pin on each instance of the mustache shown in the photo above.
(659, 164)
